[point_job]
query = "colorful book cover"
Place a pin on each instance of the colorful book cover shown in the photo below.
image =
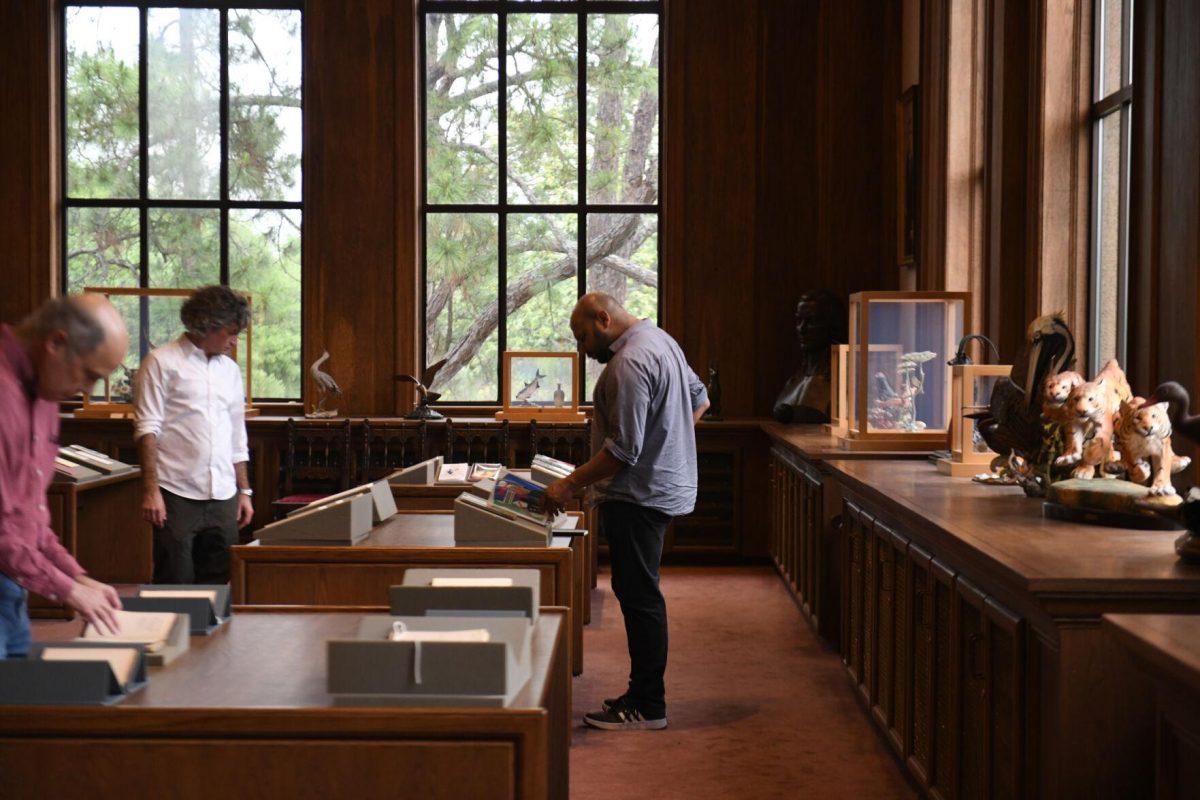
(519, 496)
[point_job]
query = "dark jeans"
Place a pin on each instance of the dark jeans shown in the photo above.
(14, 620)
(193, 545)
(635, 542)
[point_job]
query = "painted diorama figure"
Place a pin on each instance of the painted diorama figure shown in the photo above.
(525, 396)
(820, 322)
(896, 408)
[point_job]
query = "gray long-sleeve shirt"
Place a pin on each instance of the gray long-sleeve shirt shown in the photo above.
(644, 401)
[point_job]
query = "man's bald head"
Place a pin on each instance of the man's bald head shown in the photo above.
(597, 321)
(74, 342)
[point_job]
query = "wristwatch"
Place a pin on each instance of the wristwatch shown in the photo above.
(247, 492)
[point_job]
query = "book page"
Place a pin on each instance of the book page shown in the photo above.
(150, 628)
(485, 472)
(471, 582)
(123, 660)
(208, 594)
(473, 635)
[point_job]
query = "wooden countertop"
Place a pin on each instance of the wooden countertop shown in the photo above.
(1002, 525)
(276, 660)
(812, 442)
(1167, 645)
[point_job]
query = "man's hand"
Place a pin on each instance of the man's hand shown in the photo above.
(558, 494)
(154, 510)
(96, 602)
(245, 511)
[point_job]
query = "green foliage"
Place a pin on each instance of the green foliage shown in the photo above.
(184, 244)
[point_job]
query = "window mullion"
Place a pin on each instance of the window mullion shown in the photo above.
(224, 134)
(502, 208)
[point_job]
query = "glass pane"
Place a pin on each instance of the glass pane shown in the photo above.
(264, 105)
(151, 321)
(103, 248)
(982, 392)
(543, 116)
(622, 260)
(183, 103)
(264, 260)
(539, 381)
(1107, 275)
(461, 274)
(623, 113)
(102, 102)
(461, 122)
(185, 247)
(1110, 23)
(542, 288)
(908, 380)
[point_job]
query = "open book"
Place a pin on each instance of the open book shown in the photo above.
(123, 660)
(453, 473)
(465, 583)
(400, 633)
(519, 497)
(149, 628)
(483, 471)
(208, 594)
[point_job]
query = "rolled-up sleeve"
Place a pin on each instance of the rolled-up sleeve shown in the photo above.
(627, 417)
(237, 421)
(149, 399)
(696, 389)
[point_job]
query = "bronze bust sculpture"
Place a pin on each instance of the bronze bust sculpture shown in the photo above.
(820, 322)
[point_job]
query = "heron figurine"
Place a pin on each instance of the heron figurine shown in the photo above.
(326, 388)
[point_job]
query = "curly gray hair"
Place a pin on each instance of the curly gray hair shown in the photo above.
(214, 307)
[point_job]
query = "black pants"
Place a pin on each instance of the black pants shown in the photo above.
(635, 542)
(193, 545)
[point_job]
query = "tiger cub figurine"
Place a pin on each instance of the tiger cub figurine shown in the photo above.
(1055, 392)
(1144, 432)
(1090, 411)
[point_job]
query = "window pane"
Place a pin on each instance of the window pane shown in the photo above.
(1111, 24)
(622, 258)
(264, 105)
(185, 247)
(543, 116)
(102, 102)
(542, 288)
(461, 84)
(461, 274)
(183, 103)
(103, 248)
(1108, 271)
(264, 260)
(622, 143)
(151, 321)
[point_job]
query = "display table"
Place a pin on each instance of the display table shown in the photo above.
(971, 629)
(1166, 647)
(99, 521)
(357, 577)
(245, 714)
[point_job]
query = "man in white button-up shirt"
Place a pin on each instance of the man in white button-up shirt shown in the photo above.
(191, 433)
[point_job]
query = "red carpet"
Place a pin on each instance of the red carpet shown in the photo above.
(758, 708)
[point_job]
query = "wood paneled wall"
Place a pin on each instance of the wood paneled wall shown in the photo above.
(780, 148)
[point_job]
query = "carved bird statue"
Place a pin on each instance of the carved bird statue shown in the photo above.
(424, 396)
(326, 386)
(530, 388)
(1013, 422)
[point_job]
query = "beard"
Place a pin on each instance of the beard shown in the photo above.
(604, 356)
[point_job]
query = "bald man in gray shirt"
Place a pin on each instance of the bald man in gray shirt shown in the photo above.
(643, 472)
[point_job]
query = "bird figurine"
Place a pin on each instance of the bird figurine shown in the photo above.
(1013, 426)
(424, 395)
(326, 387)
(530, 388)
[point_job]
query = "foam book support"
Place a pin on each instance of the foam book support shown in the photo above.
(424, 599)
(478, 523)
(373, 670)
(206, 605)
(426, 472)
(38, 681)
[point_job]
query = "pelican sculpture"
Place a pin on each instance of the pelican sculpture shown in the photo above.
(326, 387)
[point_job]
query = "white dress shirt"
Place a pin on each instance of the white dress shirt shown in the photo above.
(195, 405)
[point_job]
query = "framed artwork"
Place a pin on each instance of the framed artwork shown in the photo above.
(540, 385)
(908, 177)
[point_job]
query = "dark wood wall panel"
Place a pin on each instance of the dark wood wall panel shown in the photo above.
(27, 69)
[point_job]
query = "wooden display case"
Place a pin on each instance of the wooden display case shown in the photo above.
(971, 391)
(526, 399)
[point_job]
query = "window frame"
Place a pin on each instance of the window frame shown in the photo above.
(142, 203)
(1113, 104)
(503, 208)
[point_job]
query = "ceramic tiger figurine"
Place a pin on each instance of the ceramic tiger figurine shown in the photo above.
(1055, 392)
(1144, 432)
(1090, 412)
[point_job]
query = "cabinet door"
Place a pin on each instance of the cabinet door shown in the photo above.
(870, 612)
(920, 700)
(890, 549)
(814, 496)
(943, 779)
(774, 515)
(852, 589)
(898, 728)
(973, 730)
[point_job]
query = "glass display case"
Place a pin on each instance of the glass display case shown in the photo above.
(898, 384)
(838, 359)
(152, 318)
(541, 386)
(970, 392)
